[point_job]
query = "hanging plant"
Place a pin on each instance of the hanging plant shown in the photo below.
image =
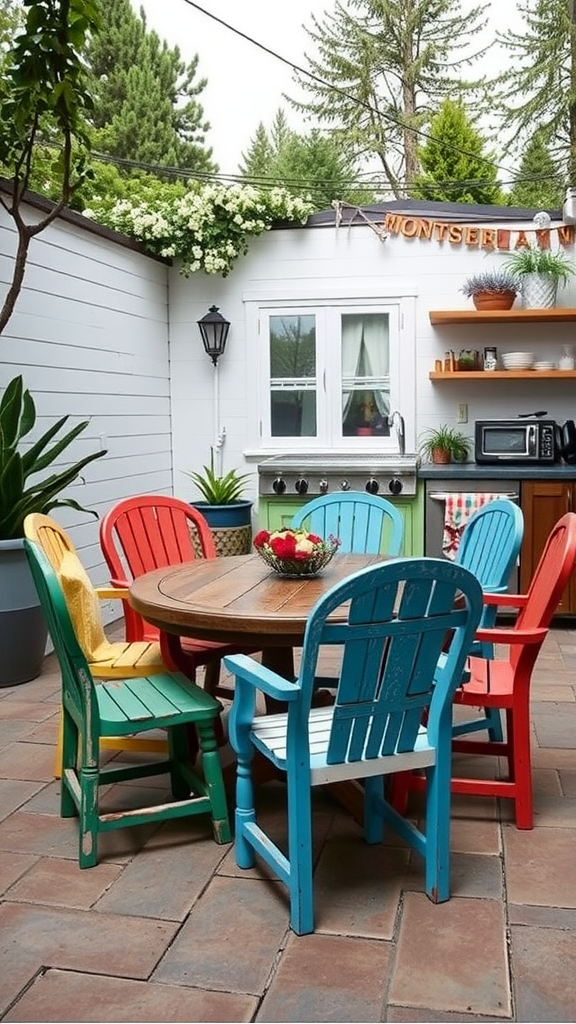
(208, 227)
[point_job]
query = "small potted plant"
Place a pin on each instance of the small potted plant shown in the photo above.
(493, 289)
(444, 444)
(538, 273)
(228, 514)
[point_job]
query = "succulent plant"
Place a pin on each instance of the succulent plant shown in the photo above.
(490, 281)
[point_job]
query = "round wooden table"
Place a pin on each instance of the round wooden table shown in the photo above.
(238, 599)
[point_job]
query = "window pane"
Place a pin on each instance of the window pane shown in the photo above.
(292, 346)
(293, 413)
(365, 373)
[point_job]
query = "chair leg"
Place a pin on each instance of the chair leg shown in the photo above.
(212, 676)
(494, 725)
(518, 726)
(178, 748)
(70, 739)
(300, 854)
(212, 771)
(245, 813)
(438, 831)
(373, 820)
(88, 825)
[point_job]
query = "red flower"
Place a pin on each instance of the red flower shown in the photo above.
(261, 538)
(284, 547)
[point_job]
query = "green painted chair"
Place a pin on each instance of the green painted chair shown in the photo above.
(120, 707)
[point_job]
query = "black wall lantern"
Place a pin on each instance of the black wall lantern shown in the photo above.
(214, 330)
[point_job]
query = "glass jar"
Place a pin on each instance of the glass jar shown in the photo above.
(567, 360)
(490, 358)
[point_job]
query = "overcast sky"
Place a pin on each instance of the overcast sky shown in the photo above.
(245, 84)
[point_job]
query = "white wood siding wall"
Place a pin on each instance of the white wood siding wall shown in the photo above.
(302, 262)
(90, 336)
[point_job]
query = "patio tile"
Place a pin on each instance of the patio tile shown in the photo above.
(50, 836)
(328, 978)
(540, 866)
(447, 977)
(474, 874)
(474, 836)
(231, 939)
(14, 794)
(556, 728)
(543, 917)
(12, 867)
(27, 761)
(542, 988)
(61, 883)
(416, 1015)
(73, 996)
(357, 888)
(555, 811)
(568, 782)
(33, 937)
(167, 878)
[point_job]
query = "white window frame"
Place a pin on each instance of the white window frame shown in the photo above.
(400, 305)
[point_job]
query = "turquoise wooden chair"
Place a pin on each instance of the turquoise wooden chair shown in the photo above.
(399, 615)
(489, 548)
(121, 707)
(365, 523)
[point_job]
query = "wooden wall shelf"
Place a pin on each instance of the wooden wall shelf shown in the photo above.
(488, 375)
(502, 316)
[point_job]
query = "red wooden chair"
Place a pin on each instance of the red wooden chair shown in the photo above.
(504, 682)
(148, 532)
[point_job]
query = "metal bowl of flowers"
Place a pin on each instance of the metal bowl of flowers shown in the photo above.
(295, 553)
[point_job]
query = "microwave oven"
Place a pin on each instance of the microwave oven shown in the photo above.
(520, 440)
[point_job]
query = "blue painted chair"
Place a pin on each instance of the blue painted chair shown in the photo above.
(489, 548)
(398, 617)
(365, 523)
(120, 707)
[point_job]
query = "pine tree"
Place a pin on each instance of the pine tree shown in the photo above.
(538, 182)
(305, 164)
(146, 108)
(385, 65)
(455, 166)
(538, 88)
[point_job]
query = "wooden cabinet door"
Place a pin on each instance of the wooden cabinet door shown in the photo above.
(543, 503)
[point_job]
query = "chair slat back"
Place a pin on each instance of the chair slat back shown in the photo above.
(151, 531)
(550, 578)
(77, 682)
(51, 537)
(365, 523)
(400, 614)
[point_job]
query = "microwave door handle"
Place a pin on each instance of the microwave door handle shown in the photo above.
(531, 441)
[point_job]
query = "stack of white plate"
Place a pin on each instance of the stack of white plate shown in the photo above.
(544, 364)
(518, 360)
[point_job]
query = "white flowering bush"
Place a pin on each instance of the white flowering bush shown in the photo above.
(207, 227)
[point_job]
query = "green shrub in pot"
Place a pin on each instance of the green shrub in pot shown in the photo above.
(227, 513)
(444, 444)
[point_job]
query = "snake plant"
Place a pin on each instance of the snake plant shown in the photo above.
(19, 495)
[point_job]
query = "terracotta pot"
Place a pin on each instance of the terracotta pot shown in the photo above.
(494, 300)
(441, 456)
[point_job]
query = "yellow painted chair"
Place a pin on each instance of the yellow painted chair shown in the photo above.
(106, 659)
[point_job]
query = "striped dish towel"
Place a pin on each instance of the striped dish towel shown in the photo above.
(457, 511)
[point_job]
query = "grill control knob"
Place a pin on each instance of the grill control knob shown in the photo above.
(301, 485)
(344, 485)
(395, 486)
(323, 485)
(279, 485)
(372, 486)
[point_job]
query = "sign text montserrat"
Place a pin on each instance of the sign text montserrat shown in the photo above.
(475, 237)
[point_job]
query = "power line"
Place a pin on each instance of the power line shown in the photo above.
(342, 92)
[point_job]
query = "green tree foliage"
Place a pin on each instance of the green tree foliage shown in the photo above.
(538, 182)
(312, 164)
(538, 88)
(455, 166)
(146, 107)
(10, 20)
(382, 67)
(44, 95)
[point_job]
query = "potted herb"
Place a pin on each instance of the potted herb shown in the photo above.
(444, 444)
(22, 625)
(228, 514)
(493, 289)
(539, 272)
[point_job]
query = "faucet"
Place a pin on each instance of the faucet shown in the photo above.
(396, 419)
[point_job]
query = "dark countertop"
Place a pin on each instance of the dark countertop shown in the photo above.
(503, 471)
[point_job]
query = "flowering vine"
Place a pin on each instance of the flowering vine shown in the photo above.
(207, 227)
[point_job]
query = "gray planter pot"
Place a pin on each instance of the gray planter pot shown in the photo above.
(23, 631)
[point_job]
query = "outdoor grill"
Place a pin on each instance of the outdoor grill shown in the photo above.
(311, 475)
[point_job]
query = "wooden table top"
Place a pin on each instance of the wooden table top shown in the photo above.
(236, 599)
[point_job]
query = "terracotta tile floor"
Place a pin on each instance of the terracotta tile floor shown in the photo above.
(166, 928)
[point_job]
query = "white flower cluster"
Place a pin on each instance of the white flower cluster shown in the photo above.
(208, 227)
